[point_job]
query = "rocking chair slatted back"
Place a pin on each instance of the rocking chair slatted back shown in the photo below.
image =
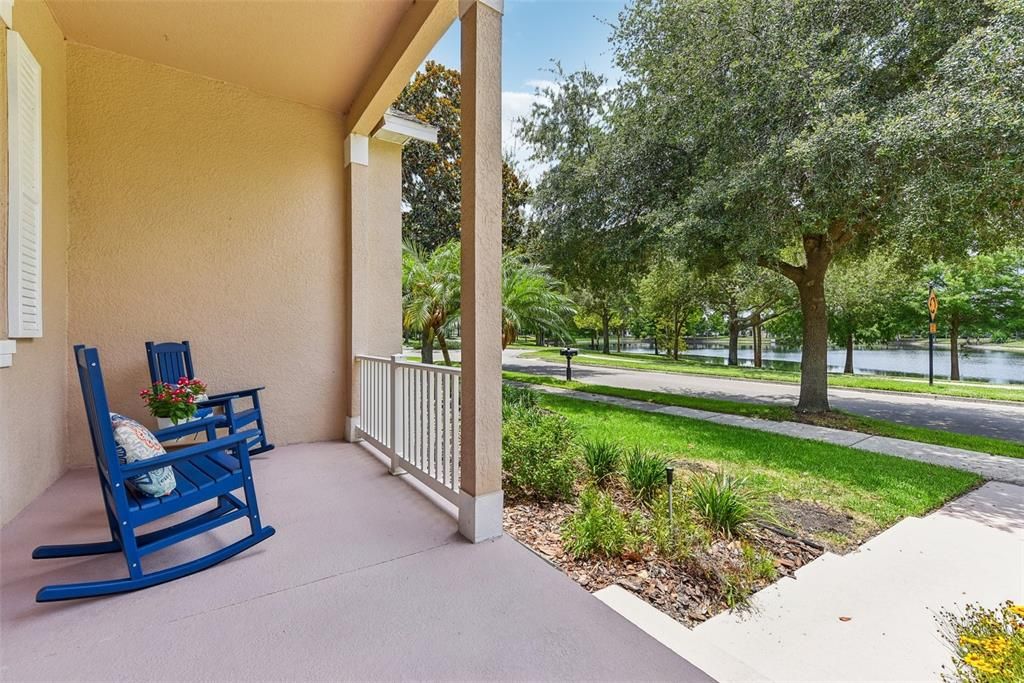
(97, 411)
(169, 361)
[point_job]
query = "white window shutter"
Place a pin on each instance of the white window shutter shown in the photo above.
(25, 225)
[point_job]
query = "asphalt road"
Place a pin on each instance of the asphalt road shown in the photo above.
(966, 416)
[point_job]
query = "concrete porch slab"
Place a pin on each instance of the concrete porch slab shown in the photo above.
(365, 579)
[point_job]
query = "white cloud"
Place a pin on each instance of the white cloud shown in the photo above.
(515, 105)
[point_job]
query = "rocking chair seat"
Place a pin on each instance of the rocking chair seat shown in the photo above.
(198, 479)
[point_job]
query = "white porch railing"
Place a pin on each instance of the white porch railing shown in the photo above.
(412, 413)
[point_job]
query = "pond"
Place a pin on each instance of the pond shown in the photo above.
(981, 365)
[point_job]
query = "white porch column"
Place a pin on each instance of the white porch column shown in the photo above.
(480, 503)
(373, 239)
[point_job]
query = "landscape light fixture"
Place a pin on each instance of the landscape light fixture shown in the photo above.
(669, 471)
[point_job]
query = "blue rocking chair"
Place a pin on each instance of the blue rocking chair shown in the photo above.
(170, 361)
(207, 471)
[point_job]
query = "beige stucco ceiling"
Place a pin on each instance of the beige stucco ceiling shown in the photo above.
(318, 52)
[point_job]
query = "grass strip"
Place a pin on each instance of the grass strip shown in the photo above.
(876, 489)
(836, 419)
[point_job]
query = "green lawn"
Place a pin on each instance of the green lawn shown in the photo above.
(637, 361)
(877, 490)
(837, 420)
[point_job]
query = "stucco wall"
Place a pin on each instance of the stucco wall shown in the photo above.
(33, 433)
(203, 211)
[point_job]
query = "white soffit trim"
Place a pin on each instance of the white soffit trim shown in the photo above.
(7, 349)
(496, 5)
(357, 150)
(7, 12)
(399, 128)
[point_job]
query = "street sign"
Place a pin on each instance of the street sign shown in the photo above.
(933, 308)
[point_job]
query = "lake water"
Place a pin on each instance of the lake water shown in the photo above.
(997, 367)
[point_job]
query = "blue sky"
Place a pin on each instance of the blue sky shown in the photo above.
(535, 32)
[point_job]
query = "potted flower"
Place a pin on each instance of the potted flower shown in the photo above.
(172, 404)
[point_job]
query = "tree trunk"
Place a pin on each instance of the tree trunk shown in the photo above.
(756, 328)
(734, 338)
(618, 340)
(593, 339)
(443, 343)
(954, 346)
(427, 347)
(814, 355)
(606, 345)
(848, 368)
(540, 337)
(675, 337)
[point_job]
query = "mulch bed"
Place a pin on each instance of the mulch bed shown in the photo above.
(689, 592)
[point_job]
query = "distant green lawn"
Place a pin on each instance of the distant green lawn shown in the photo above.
(637, 361)
(837, 420)
(877, 490)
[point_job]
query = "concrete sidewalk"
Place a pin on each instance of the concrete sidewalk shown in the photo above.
(991, 467)
(866, 616)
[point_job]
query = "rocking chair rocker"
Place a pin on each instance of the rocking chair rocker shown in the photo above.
(210, 470)
(170, 361)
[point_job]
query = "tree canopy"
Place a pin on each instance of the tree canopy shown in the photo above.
(799, 131)
(432, 173)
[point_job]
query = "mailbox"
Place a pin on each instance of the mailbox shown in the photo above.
(568, 352)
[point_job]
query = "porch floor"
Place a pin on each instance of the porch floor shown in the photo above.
(365, 579)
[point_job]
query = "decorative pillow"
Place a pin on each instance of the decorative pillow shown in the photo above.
(202, 412)
(135, 443)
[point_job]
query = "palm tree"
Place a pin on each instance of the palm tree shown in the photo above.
(431, 291)
(531, 299)
(431, 297)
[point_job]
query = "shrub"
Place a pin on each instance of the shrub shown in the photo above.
(538, 455)
(735, 592)
(725, 503)
(645, 473)
(759, 563)
(597, 528)
(601, 459)
(515, 398)
(683, 537)
(741, 575)
(987, 644)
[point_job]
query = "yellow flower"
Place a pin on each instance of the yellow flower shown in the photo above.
(1018, 610)
(980, 663)
(996, 644)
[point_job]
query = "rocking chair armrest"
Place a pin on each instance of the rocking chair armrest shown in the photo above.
(236, 440)
(186, 428)
(236, 394)
(216, 401)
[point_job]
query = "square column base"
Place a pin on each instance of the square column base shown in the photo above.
(480, 516)
(350, 429)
